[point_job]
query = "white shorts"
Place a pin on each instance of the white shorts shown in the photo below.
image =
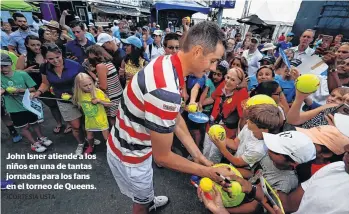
(134, 182)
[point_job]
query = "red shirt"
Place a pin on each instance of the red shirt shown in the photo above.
(230, 104)
(282, 38)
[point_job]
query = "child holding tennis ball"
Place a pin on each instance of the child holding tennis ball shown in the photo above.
(92, 101)
(249, 144)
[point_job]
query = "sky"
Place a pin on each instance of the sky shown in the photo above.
(269, 10)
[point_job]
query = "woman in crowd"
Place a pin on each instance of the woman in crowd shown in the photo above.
(245, 45)
(134, 60)
(227, 99)
(239, 62)
(105, 74)
(59, 73)
(30, 62)
(45, 36)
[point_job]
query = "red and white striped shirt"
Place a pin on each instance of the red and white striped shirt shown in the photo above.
(151, 101)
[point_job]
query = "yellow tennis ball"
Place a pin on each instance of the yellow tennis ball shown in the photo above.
(236, 196)
(218, 131)
(260, 99)
(192, 108)
(307, 83)
(206, 184)
(188, 19)
(11, 89)
(66, 96)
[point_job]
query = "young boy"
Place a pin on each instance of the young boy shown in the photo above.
(20, 81)
(249, 144)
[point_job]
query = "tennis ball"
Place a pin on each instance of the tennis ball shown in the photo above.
(307, 83)
(236, 196)
(260, 99)
(66, 96)
(218, 131)
(11, 89)
(188, 19)
(192, 108)
(206, 184)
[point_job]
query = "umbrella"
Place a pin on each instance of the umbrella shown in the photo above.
(253, 20)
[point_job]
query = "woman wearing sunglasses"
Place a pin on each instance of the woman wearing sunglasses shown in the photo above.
(59, 74)
(171, 43)
(106, 76)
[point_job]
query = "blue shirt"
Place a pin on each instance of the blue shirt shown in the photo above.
(288, 88)
(90, 37)
(116, 34)
(4, 40)
(65, 83)
(283, 45)
(77, 50)
(17, 40)
(192, 80)
(149, 41)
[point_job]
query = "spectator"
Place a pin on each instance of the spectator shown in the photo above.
(253, 56)
(36, 24)
(156, 49)
(59, 73)
(171, 43)
(237, 38)
(284, 44)
(16, 42)
(45, 36)
(117, 31)
(78, 46)
(5, 34)
(282, 37)
(146, 38)
(153, 27)
(303, 48)
(60, 37)
(240, 44)
(115, 25)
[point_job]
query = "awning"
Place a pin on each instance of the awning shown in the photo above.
(119, 11)
(253, 20)
(181, 5)
(17, 5)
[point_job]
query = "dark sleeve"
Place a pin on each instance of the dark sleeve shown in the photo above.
(42, 68)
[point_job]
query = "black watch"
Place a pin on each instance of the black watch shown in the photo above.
(252, 194)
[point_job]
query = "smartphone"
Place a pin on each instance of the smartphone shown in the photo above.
(342, 109)
(326, 41)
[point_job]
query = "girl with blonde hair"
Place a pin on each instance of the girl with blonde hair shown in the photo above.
(92, 101)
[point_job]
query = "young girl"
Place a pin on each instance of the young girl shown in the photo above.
(92, 101)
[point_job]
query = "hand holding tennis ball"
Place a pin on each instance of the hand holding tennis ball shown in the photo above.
(206, 185)
(11, 89)
(192, 107)
(218, 132)
(66, 96)
(307, 83)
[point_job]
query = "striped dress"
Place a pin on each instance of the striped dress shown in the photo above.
(114, 90)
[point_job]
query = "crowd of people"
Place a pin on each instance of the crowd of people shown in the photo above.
(137, 89)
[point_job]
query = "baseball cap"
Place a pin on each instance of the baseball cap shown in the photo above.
(290, 34)
(158, 32)
(329, 136)
(158, 26)
(116, 21)
(295, 144)
(145, 28)
(103, 38)
(269, 59)
(257, 40)
(341, 121)
(295, 62)
(5, 59)
(132, 40)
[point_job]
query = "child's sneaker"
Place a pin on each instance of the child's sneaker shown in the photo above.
(37, 147)
(158, 201)
(45, 141)
(89, 150)
(79, 149)
(16, 138)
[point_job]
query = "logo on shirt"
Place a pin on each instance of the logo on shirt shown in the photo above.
(169, 108)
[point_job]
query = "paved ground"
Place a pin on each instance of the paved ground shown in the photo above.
(105, 199)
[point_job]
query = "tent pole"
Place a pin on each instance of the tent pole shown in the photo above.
(157, 16)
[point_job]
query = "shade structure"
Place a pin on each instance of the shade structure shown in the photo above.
(253, 20)
(181, 5)
(17, 5)
(120, 11)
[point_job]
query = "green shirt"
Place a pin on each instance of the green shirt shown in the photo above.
(211, 89)
(20, 79)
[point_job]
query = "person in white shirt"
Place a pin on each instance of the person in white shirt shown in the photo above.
(253, 56)
(232, 32)
(303, 48)
(156, 49)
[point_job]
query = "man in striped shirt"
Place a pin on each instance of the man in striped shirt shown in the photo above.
(148, 117)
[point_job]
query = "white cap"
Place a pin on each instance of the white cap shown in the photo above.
(295, 144)
(103, 38)
(158, 32)
(116, 21)
(341, 121)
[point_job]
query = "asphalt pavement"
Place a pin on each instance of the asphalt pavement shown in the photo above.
(106, 198)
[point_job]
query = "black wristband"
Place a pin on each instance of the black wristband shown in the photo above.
(252, 195)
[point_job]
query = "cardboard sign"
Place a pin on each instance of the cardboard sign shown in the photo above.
(33, 105)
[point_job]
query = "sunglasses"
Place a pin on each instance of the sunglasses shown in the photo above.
(173, 47)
